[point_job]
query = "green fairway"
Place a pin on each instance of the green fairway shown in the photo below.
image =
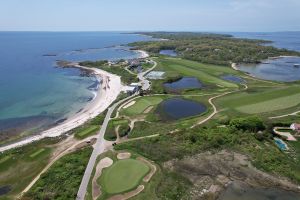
(38, 152)
(122, 176)
(271, 105)
(204, 72)
(86, 131)
(262, 100)
(142, 104)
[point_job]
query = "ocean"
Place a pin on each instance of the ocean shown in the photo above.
(34, 92)
(287, 40)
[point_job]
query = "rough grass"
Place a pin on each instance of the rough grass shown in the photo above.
(19, 166)
(63, 178)
(142, 104)
(123, 176)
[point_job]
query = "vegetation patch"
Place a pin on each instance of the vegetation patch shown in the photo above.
(23, 163)
(123, 176)
(117, 125)
(63, 178)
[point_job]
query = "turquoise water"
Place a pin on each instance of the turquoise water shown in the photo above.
(280, 144)
(33, 91)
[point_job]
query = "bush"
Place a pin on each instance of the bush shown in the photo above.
(252, 124)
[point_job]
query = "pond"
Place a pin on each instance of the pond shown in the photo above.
(169, 52)
(284, 69)
(241, 191)
(233, 78)
(178, 108)
(281, 145)
(184, 83)
(4, 190)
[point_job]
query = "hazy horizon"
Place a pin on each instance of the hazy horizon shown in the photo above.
(141, 15)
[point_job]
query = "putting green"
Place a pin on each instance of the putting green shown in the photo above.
(123, 175)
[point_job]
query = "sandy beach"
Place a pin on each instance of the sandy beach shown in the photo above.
(107, 93)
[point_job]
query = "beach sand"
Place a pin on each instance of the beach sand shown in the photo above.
(108, 92)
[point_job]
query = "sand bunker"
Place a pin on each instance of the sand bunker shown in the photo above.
(104, 163)
(128, 195)
(129, 104)
(122, 156)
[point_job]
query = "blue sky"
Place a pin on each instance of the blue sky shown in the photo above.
(148, 15)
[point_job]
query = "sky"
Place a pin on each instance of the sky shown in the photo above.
(150, 15)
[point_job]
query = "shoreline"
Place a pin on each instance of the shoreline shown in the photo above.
(107, 93)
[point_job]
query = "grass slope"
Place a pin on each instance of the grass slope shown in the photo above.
(142, 104)
(205, 73)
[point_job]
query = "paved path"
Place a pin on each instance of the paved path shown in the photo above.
(281, 116)
(99, 149)
(100, 144)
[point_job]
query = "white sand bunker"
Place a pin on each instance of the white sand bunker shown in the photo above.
(104, 163)
(129, 104)
(122, 156)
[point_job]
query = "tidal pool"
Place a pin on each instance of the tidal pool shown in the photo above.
(169, 52)
(178, 108)
(283, 69)
(184, 83)
(241, 191)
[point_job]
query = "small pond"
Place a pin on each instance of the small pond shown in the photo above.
(240, 191)
(184, 83)
(284, 69)
(169, 52)
(178, 108)
(4, 190)
(281, 145)
(233, 78)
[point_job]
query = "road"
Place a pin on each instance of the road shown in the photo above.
(99, 149)
(100, 144)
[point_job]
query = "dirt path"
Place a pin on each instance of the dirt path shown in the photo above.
(210, 101)
(63, 148)
(286, 115)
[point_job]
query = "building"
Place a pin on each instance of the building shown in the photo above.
(133, 88)
(155, 75)
(295, 127)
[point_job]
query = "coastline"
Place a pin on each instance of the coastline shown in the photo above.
(107, 93)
